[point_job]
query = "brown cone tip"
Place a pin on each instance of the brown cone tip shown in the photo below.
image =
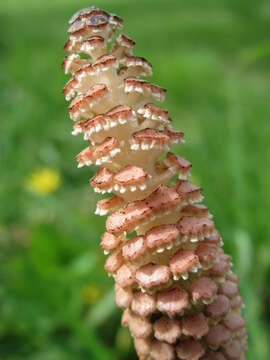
(92, 18)
(81, 27)
(85, 12)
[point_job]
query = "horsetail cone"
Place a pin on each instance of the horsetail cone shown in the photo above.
(173, 280)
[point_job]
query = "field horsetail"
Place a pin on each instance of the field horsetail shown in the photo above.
(174, 282)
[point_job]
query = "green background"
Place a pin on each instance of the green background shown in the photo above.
(56, 301)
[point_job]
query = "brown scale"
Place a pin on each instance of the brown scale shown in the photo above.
(173, 280)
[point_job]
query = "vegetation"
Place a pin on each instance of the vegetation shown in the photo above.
(56, 301)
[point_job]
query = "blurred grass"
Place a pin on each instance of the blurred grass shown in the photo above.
(213, 56)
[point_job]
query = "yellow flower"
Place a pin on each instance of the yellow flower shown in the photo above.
(44, 181)
(90, 293)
